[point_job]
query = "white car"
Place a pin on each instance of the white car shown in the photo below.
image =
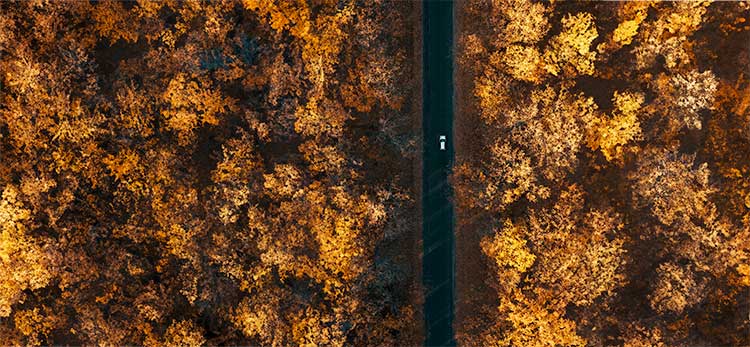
(442, 142)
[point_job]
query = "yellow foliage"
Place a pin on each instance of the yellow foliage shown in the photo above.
(259, 317)
(578, 259)
(669, 36)
(744, 271)
(292, 15)
(675, 289)
(533, 325)
(240, 161)
(508, 248)
(626, 30)
(184, 334)
(136, 110)
(24, 75)
(472, 48)
(638, 336)
(311, 328)
(113, 21)
(32, 323)
(127, 169)
(25, 263)
(321, 36)
(611, 134)
(179, 242)
(339, 244)
(322, 158)
(674, 186)
(492, 95)
(527, 21)
(123, 164)
(523, 63)
(190, 105)
(554, 128)
(340, 237)
(103, 181)
(686, 18)
(571, 46)
(76, 126)
(628, 103)
(320, 116)
(107, 295)
(148, 8)
(284, 181)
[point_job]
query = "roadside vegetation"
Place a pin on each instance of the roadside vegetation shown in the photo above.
(603, 173)
(181, 173)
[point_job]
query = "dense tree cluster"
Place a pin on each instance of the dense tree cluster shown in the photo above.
(604, 169)
(180, 173)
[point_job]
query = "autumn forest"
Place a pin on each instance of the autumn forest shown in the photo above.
(249, 173)
(603, 174)
(193, 173)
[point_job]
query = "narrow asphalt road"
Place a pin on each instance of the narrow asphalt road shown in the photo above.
(437, 233)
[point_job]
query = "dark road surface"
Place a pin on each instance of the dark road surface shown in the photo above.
(438, 253)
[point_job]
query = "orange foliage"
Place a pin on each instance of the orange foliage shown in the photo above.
(604, 151)
(188, 173)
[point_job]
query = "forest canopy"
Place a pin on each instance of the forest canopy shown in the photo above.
(602, 171)
(181, 173)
